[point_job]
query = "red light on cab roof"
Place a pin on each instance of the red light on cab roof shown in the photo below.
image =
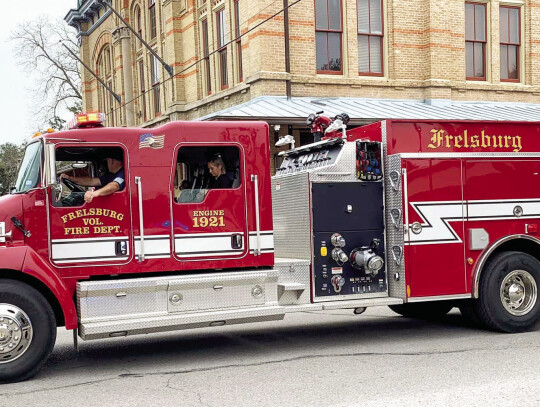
(83, 120)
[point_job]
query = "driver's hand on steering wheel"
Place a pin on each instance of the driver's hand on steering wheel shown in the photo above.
(64, 176)
(89, 195)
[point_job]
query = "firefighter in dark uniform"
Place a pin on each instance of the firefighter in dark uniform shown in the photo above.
(107, 184)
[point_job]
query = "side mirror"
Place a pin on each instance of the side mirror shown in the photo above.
(50, 165)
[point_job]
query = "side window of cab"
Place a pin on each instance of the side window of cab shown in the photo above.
(200, 169)
(83, 169)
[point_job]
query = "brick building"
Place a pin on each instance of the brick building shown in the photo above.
(446, 55)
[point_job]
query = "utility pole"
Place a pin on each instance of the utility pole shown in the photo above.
(287, 49)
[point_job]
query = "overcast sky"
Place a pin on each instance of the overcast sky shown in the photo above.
(14, 83)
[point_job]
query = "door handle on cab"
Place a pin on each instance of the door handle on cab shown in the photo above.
(236, 241)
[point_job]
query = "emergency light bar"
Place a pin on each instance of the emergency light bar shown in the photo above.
(83, 120)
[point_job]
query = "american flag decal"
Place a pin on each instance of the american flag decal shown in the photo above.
(148, 140)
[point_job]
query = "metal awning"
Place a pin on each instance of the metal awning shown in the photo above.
(279, 110)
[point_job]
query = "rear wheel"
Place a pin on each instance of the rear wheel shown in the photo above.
(27, 331)
(423, 310)
(468, 311)
(508, 292)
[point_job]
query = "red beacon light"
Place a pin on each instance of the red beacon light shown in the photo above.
(86, 120)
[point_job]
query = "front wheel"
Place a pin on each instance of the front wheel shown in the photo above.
(508, 292)
(27, 331)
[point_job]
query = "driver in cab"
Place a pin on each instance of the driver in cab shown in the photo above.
(107, 184)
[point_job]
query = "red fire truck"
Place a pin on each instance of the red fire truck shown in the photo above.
(420, 216)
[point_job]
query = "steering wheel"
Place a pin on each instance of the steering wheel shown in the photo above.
(71, 185)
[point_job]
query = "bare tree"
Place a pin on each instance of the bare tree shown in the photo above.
(56, 73)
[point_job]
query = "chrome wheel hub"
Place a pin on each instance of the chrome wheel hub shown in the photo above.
(519, 292)
(15, 333)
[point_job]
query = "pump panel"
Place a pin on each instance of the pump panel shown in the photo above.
(348, 239)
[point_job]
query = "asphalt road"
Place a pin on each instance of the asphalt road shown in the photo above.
(309, 359)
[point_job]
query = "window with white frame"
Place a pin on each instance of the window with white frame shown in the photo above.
(510, 38)
(475, 41)
(370, 37)
(222, 47)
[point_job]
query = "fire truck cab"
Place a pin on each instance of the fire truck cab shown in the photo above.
(419, 216)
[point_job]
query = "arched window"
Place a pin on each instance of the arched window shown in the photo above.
(152, 17)
(105, 72)
(138, 23)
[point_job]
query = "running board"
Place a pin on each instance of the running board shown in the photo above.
(168, 322)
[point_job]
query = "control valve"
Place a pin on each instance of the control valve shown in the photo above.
(365, 258)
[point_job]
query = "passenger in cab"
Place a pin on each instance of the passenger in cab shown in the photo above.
(218, 172)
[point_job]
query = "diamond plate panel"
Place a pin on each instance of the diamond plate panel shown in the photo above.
(224, 290)
(149, 297)
(343, 170)
(114, 299)
(293, 272)
(394, 236)
(290, 205)
(176, 321)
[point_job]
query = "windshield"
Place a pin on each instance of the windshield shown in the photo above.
(29, 170)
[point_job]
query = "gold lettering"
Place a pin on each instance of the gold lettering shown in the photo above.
(436, 138)
(448, 138)
(516, 143)
(92, 212)
(441, 139)
(484, 139)
(120, 217)
(64, 218)
(71, 216)
(99, 211)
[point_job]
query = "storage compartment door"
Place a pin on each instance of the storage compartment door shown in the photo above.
(434, 227)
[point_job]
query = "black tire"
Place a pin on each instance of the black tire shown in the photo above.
(468, 311)
(490, 306)
(423, 310)
(43, 324)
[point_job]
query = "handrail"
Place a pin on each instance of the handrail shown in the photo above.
(255, 180)
(141, 216)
